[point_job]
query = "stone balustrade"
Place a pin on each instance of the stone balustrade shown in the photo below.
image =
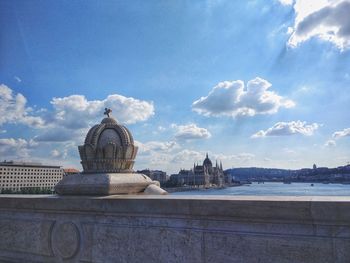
(174, 229)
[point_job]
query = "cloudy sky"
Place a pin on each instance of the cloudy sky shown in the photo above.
(253, 83)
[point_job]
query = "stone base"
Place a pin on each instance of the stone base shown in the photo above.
(108, 184)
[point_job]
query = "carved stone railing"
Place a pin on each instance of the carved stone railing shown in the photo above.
(174, 229)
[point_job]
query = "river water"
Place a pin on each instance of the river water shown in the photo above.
(293, 189)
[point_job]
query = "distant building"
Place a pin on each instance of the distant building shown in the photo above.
(205, 174)
(70, 171)
(18, 175)
(156, 175)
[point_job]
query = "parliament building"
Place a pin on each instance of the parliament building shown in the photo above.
(205, 174)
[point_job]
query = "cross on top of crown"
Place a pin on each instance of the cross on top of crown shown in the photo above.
(107, 112)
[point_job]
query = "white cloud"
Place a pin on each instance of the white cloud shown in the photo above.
(72, 112)
(16, 148)
(13, 109)
(328, 20)
(288, 128)
(13, 142)
(55, 153)
(286, 2)
(158, 160)
(156, 146)
(76, 111)
(190, 132)
(330, 143)
(230, 98)
(186, 156)
(343, 133)
(156, 155)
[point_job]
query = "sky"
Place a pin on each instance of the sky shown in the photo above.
(251, 83)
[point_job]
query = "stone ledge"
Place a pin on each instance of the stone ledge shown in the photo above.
(308, 209)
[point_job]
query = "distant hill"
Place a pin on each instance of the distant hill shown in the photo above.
(320, 174)
(255, 173)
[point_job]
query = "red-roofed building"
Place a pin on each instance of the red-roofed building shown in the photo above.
(70, 171)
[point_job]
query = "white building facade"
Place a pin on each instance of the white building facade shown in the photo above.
(16, 176)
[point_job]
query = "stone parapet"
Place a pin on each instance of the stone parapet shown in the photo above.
(129, 228)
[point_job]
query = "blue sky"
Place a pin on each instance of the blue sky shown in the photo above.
(254, 83)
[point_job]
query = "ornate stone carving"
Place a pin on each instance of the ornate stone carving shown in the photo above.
(65, 240)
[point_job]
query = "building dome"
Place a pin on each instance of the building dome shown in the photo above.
(207, 162)
(108, 148)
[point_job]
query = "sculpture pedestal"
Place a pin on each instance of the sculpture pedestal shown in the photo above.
(108, 184)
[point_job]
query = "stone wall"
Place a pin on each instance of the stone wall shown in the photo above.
(174, 229)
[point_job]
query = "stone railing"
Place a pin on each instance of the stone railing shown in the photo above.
(174, 229)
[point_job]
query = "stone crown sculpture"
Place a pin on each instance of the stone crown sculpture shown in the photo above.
(107, 157)
(109, 147)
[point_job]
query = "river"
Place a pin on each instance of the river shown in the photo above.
(293, 189)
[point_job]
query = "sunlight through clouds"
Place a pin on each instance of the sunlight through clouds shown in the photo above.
(326, 20)
(186, 77)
